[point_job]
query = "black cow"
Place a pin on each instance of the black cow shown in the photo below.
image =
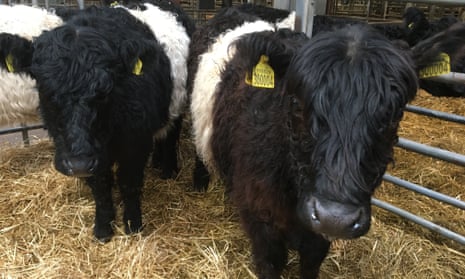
(107, 84)
(427, 52)
(417, 27)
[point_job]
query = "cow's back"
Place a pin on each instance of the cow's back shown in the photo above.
(102, 48)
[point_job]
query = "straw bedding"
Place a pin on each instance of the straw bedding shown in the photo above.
(46, 220)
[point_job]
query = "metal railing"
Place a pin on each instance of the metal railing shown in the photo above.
(24, 130)
(438, 153)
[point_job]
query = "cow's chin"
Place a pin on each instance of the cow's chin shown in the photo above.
(328, 237)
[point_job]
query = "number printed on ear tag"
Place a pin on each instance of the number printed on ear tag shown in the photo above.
(438, 68)
(262, 74)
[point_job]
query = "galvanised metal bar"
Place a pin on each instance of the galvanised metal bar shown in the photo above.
(420, 221)
(434, 152)
(442, 2)
(452, 77)
(25, 135)
(434, 113)
(424, 191)
(20, 129)
(81, 4)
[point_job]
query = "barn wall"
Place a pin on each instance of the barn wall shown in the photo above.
(386, 10)
(51, 3)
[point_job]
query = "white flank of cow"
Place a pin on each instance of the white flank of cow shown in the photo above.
(25, 21)
(173, 37)
(207, 77)
(19, 100)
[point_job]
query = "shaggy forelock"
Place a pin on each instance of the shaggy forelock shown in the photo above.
(67, 68)
(353, 84)
(72, 65)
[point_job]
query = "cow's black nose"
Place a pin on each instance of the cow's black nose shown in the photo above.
(337, 220)
(79, 166)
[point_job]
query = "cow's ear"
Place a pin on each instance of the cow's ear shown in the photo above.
(134, 54)
(15, 53)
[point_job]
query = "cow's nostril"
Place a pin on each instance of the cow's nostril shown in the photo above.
(68, 167)
(314, 213)
(314, 216)
(92, 165)
(356, 226)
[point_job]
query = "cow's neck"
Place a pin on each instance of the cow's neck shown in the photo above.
(300, 144)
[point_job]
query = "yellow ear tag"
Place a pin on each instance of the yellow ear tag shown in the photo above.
(262, 74)
(410, 26)
(114, 4)
(9, 63)
(438, 68)
(137, 67)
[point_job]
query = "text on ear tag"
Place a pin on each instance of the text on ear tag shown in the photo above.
(262, 74)
(441, 67)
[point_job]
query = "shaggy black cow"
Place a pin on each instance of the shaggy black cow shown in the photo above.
(301, 132)
(107, 83)
(417, 27)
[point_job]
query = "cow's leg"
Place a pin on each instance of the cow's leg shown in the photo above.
(201, 176)
(101, 186)
(313, 250)
(165, 155)
(130, 177)
(268, 246)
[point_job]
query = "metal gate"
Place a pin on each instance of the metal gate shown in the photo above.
(451, 157)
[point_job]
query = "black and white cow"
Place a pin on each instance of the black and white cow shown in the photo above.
(301, 132)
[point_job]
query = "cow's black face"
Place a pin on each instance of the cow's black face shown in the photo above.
(415, 25)
(79, 123)
(352, 96)
(337, 176)
(75, 80)
(346, 156)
